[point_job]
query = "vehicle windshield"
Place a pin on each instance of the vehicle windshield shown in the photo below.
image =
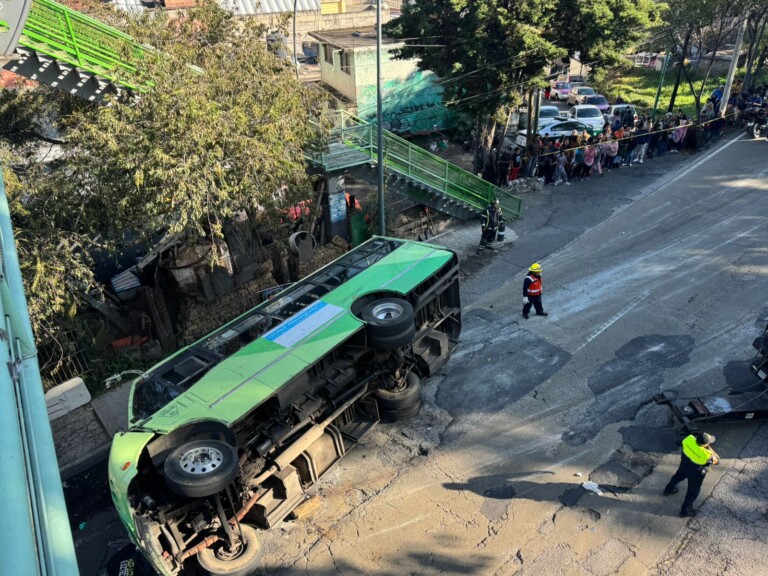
(577, 79)
(549, 113)
(154, 391)
(562, 86)
(597, 100)
(588, 113)
(587, 91)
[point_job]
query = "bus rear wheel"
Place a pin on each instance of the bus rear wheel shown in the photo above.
(390, 323)
(242, 559)
(401, 402)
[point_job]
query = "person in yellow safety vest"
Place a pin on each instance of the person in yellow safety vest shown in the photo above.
(532, 291)
(695, 460)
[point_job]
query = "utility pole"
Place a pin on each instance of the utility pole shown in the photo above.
(379, 129)
(732, 71)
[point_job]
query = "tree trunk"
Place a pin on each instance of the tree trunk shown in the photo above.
(680, 66)
(486, 139)
(477, 157)
(754, 46)
(760, 62)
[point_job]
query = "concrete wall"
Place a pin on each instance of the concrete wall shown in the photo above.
(356, 16)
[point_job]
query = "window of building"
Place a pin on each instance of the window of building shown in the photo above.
(328, 53)
(345, 59)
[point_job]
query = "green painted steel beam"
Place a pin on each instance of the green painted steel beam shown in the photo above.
(40, 541)
(70, 37)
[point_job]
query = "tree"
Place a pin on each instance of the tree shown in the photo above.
(54, 260)
(707, 25)
(483, 50)
(222, 130)
(601, 31)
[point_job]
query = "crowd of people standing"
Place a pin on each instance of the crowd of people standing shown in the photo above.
(623, 142)
(626, 140)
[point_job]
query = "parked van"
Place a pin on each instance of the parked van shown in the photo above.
(573, 79)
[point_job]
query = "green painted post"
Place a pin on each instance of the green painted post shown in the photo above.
(661, 85)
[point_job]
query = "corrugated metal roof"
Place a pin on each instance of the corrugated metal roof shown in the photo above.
(239, 7)
(248, 7)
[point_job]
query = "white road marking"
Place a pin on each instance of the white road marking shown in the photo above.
(411, 521)
(614, 319)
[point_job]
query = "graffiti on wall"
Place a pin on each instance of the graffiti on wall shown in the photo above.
(410, 105)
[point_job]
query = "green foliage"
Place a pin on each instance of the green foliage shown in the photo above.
(639, 86)
(486, 48)
(223, 131)
(603, 30)
(53, 258)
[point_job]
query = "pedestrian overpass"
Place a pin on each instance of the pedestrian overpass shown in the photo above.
(55, 45)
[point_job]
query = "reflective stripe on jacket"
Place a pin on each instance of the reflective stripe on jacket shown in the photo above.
(492, 219)
(699, 455)
(534, 289)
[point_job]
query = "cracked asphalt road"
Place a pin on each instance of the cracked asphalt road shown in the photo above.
(648, 288)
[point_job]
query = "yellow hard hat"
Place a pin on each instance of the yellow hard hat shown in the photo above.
(535, 267)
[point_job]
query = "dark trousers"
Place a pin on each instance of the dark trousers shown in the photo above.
(488, 237)
(534, 301)
(695, 476)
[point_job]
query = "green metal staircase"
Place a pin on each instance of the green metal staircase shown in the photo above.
(411, 170)
(63, 48)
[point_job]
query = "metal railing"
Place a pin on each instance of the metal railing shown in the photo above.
(68, 36)
(411, 161)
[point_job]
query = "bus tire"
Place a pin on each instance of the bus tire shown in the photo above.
(388, 317)
(243, 560)
(392, 342)
(201, 468)
(401, 403)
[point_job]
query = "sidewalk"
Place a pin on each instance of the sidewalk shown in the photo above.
(83, 437)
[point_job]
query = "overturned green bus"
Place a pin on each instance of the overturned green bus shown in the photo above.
(227, 434)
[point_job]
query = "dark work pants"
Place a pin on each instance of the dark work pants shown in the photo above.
(534, 301)
(687, 471)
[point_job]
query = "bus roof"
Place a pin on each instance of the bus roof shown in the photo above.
(309, 328)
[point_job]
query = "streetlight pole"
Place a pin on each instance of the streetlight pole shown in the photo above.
(379, 121)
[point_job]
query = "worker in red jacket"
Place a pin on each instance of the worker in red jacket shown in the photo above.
(532, 291)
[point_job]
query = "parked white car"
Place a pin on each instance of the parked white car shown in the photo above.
(549, 115)
(588, 114)
(556, 131)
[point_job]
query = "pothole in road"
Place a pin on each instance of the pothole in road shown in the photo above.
(627, 383)
(498, 363)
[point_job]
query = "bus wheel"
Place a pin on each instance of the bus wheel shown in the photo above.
(242, 559)
(390, 323)
(201, 468)
(402, 402)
